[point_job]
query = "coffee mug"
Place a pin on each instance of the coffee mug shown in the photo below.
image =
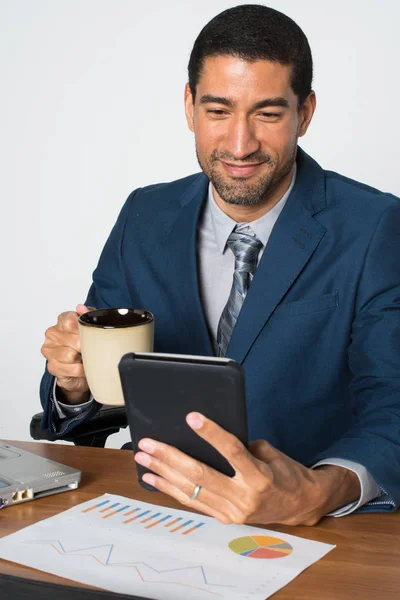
(106, 335)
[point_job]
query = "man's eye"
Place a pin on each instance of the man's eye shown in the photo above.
(217, 112)
(269, 115)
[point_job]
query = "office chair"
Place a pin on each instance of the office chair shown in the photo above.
(94, 432)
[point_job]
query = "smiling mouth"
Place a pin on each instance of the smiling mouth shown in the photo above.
(241, 170)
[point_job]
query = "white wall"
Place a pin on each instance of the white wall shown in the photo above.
(91, 107)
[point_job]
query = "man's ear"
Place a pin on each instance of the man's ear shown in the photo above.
(306, 113)
(189, 107)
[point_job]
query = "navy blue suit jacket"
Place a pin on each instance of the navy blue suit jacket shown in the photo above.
(319, 332)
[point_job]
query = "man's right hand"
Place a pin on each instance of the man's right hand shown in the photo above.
(62, 349)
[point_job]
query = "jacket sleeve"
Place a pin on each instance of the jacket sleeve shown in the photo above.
(374, 361)
(108, 289)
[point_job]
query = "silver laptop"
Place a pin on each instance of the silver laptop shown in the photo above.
(25, 476)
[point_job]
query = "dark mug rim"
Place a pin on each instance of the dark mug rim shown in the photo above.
(112, 318)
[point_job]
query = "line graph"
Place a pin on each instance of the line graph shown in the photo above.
(136, 565)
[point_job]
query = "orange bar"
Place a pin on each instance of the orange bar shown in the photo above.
(146, 519)
(152, 524)
(189, 530)
(114, 512)
(176, 529)
(89, 509)
(129, 520)
(130, 512)
(172, 523)
(105, 509)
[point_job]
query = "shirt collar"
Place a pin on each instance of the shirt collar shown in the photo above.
(262, 227)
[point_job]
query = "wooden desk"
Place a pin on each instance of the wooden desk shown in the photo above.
(365, 565)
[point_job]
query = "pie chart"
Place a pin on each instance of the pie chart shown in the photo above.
(260, 546)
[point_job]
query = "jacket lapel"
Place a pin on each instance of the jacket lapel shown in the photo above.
(293, 241)
(183, 271)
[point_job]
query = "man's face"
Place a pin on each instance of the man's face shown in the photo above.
(246, 123)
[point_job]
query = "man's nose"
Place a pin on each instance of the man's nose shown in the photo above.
(241, 140)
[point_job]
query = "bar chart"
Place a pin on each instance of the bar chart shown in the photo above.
(148, 518)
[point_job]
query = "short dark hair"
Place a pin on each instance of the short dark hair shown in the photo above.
(255, 32)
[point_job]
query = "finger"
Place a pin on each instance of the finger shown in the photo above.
(73, 384)
(166, 487)
(192, 469)
(227, 444)
(171, 458)
(68, 321)
(186, 485)
(57, 337)
(64, 354)
(221, 492)
(60, 370)
(81, 309)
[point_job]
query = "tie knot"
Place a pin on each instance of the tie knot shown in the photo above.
(246, 246)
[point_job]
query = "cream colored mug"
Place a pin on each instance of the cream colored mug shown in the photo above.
(106, 335)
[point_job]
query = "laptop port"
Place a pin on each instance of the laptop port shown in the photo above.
(21, 495)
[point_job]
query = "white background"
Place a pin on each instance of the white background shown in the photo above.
(91, 107)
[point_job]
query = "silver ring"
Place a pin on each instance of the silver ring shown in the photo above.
(196, 492)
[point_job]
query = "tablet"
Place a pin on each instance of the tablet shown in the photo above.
(161, 389)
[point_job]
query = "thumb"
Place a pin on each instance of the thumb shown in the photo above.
(81, 309)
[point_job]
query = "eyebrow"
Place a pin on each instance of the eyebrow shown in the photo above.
(267, 102)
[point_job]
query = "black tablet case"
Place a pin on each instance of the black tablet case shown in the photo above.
(18, 588)
(160, 390)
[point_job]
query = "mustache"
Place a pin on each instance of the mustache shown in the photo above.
(255, 157)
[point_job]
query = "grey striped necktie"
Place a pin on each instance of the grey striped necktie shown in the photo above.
(246, 246)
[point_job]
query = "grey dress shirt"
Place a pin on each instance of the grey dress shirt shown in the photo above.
(216, 263)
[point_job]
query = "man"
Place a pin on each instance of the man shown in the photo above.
(313, 314)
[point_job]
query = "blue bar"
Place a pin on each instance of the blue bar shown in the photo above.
(123, 508)
(155, 515)
(165, 518)
(143, 513)
(102, 503)
(187, 523)
(114, 505)
(199, 525)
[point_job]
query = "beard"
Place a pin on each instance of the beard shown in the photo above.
(241, 191)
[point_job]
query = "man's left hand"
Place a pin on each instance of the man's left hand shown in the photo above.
(268, 486)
